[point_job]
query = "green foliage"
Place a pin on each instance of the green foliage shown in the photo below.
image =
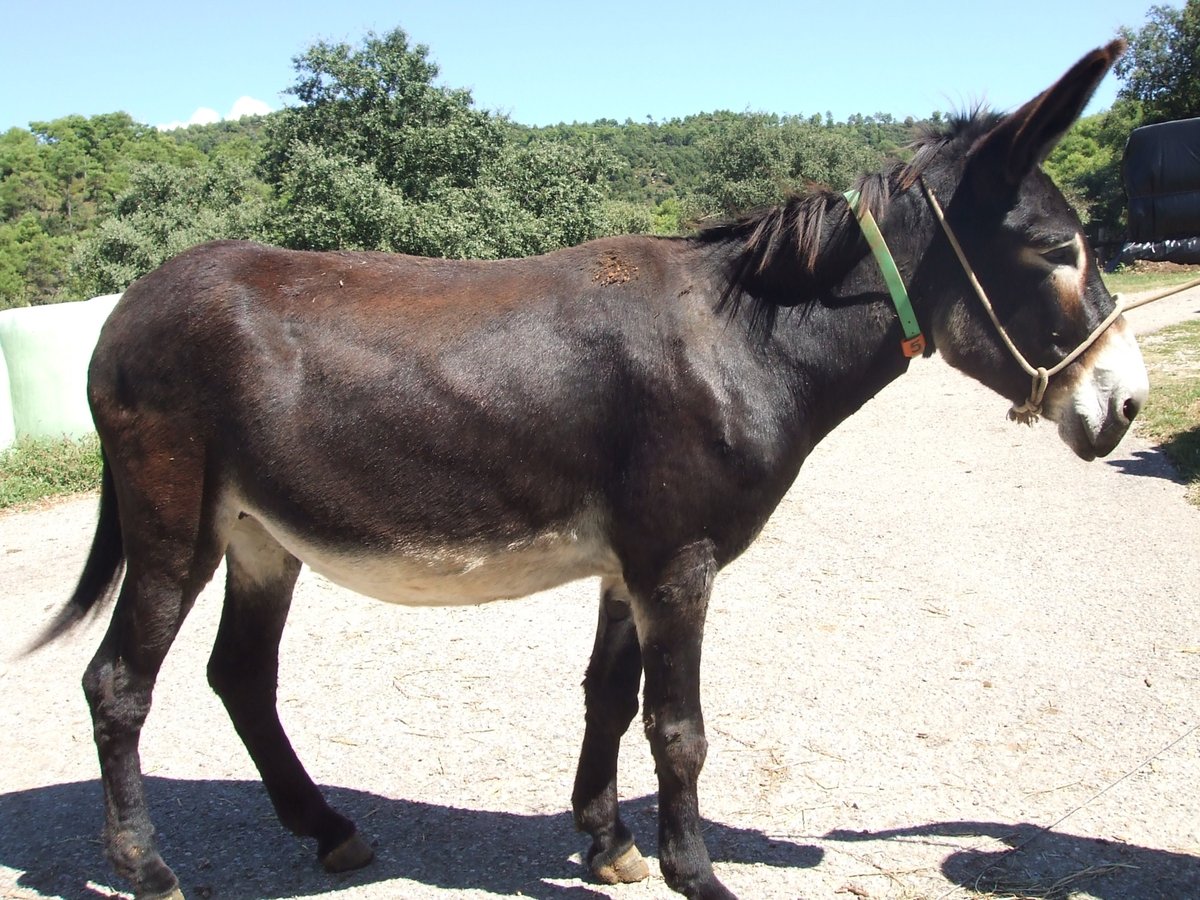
(378, 107)
(26, 185)
(378, 157)
(240, 140)
(756, 160)
(32, 262)
(35, 469)
(744, 166)
(669, 165)
(1086, 165)
(90, 160)
(668, 217)
(1161, 69)
(333, 201)
(559, 187)
(880, 132)
(164, 210)
(627, 217)
(58, 181)
(656, 158)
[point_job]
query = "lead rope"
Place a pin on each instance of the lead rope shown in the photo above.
(1048, 829)
(1195, 282)
(1029, 411)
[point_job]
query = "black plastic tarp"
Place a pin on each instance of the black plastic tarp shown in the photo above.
(1186, 252)
(1162, 180)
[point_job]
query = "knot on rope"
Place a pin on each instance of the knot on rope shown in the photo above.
(1029, 411)
(1025, 414)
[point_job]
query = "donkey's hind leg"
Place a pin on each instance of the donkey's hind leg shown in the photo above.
(611, 702)
(118, 684)
(171, 551)
(243, 670)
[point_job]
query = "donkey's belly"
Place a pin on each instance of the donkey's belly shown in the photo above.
(418, 573)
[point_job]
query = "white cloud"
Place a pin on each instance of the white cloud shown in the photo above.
(204, 116)
(243, 106)
(248, 106)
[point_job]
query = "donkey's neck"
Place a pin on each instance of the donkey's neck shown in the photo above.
(801, 282)
(837, 357)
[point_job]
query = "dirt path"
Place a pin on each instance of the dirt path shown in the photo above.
(952, 634)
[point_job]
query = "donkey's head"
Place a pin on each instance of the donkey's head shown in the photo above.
(1029, 255)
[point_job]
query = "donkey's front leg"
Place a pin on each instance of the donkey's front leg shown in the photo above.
(670, 618)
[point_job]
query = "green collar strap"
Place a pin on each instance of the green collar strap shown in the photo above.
(914, 342)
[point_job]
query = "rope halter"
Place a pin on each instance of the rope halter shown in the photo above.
(1027, 413)
(914, 341)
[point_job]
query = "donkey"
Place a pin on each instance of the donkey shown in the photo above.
(428, 432)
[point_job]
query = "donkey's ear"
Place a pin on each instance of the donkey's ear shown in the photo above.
(1022, 140)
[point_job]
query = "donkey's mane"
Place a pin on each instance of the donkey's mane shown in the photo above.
(797, 251)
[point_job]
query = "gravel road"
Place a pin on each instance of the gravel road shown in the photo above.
(953, 639)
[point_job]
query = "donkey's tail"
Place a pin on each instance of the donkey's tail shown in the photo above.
(101, 573)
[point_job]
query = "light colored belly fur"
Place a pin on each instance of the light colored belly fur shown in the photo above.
(417, 574)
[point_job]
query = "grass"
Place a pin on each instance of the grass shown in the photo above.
(1131, 282)
(32, 470)
(1171, 417)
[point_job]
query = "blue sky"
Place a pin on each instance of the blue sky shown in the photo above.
(543, 62)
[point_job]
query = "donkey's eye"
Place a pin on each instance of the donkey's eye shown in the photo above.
(1062, 255)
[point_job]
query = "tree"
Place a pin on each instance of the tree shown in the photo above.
(58, 181)
(561, 187)
(376, 156)
(1086, 165)
(333, 201)
(1161, 69)
(378, 107)
(832, 157)
(90, 160)
(164, 210)
(743, 166)
(26, 186)
(32, 262)
(757, 159)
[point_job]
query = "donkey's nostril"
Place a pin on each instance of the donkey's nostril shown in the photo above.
(1131, 408)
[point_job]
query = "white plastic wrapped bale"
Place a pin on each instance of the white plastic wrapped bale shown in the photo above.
(7, 432)
(47, 349)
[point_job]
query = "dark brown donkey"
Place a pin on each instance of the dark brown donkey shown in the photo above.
(434, 432)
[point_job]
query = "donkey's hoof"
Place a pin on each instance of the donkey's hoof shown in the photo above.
(625, 869)
(174, 894)
(352, 853)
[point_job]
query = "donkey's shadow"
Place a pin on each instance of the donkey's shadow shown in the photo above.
(1052, 864)
(223, 841)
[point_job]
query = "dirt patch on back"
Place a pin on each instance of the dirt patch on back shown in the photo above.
(612, 269)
